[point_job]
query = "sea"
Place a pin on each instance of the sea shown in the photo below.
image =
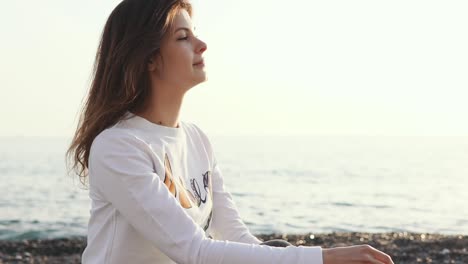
(280, 184)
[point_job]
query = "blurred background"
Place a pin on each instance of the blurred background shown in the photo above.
(325, 116)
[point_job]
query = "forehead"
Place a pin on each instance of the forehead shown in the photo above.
(181, 19)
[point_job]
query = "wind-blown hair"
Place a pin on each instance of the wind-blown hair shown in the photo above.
(131, 37)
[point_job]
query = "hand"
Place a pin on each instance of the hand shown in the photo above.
(355, 255)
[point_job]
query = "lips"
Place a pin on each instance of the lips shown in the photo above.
(200, 62)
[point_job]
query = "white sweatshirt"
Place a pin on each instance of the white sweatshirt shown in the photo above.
(158, 197)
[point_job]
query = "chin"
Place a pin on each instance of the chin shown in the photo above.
(200, 78)
(196, 82)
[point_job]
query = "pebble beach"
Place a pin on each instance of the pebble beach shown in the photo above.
(404, 248)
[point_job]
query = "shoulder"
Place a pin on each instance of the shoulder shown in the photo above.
(194, 130)
(114, 140)
(116, 152)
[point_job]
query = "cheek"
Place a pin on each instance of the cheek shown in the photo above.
(178, 62)
(181, 62)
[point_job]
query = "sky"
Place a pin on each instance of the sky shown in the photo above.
(294, 67)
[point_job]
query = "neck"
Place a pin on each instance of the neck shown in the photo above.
(164, 107)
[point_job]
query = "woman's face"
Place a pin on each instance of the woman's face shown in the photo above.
(182, 63)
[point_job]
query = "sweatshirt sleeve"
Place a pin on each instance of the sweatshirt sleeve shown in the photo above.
(120, 168)
(227, 223)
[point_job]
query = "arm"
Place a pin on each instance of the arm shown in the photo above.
(121, 169)
(227, 223)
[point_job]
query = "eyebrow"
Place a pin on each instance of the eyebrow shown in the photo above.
(184, 28)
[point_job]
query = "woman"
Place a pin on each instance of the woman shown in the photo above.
(157, 192)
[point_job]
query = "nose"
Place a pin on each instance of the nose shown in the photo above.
(201, 46)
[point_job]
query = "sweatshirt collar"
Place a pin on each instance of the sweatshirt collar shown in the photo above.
(144, 124)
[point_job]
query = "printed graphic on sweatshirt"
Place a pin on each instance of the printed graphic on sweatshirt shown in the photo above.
(207, 224)
(186, 198)
(201, 193)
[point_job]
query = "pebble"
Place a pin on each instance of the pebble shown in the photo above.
(403, 247)
(445, 251)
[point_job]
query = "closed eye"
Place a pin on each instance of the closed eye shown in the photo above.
(183, 38)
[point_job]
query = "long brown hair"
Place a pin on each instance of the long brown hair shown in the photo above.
(131, 37)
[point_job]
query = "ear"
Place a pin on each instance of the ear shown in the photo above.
(155, 63)
(152, 65)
